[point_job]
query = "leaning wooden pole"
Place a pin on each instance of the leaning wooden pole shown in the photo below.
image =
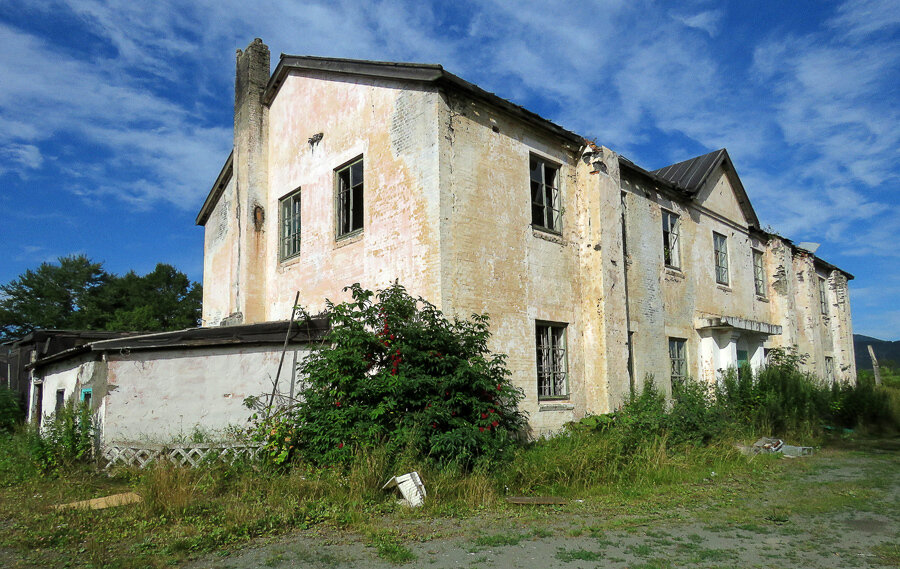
(875, 369)
(287, 337)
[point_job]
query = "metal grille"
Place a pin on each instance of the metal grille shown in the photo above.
(552, 367)
(721, 252)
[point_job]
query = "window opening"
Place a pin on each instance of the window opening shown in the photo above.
(60, 399)
(552, 367)
(545, 206)
(829, 369)
(290, 225)
(720, 245)
(670, 239)
(86, 396)
(823, 297)
(350, 198)
(759, 273)
(678, 360)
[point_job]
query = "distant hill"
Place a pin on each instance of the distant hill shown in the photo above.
(884, 350)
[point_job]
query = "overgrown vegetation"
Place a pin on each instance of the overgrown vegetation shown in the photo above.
(11, 412)
(397, 387)
(393, 371)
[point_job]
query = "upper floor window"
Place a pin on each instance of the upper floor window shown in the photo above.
(545, 206)
(670, 227)
(759, 273)
(289, 221)
(349, 197)
(678, 360)
(552, 367)
(720, 246)
(823, 296)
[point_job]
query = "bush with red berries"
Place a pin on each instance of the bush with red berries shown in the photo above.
(394, 371)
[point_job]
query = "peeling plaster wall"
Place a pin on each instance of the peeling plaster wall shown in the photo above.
(71, 376)
(220, 260)
(160, 396)
(393, 127)
(494, 261)
(669, 302)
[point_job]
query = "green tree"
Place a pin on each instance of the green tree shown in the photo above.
(78, 294)
(60, 295)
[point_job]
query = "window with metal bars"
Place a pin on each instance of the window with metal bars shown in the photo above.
(670, 239)
(290, 225)
(829, 369)
(552, 367)
(546, 212)
(759, 273)
(349, 198)
(720, 246)
(823, 297)
(678, 360)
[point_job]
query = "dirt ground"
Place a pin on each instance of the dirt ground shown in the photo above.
(835, 509)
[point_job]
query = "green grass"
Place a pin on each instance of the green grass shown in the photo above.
(567, 555)
(499, 539)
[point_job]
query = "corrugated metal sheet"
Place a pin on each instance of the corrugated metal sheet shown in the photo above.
(691, 174)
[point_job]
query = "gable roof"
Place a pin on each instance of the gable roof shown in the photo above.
(431, 73)
(690, 176)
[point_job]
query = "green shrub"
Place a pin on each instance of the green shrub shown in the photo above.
(393, 371)
(11, 412)
(67, 438)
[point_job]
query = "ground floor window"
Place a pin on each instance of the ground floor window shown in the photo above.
(552, 367)
(678, 360)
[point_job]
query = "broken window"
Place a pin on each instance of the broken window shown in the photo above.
(678, 360)
(823, 297)
(290, 225)
(759, 273)
(670, 239)
(720, 246)
(829, 369)
(86, 396)
(552, 368)
(60, 400)
(349, 198)
(545, 202)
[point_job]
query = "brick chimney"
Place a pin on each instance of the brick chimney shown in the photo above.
(251, 130)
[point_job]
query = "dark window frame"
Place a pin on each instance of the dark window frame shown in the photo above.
(349, 198)
(823, 296)
(551, 351)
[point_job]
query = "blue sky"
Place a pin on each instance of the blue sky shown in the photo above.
(115, 117)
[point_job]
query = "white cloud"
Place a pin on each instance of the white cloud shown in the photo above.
(707, 21)
(22, 156)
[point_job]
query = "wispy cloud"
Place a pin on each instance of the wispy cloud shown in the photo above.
(707, 21)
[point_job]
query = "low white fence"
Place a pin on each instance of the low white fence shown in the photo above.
(188, 454)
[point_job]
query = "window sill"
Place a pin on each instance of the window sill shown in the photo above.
(547, 235)
(348, 239)
(290, 261)
(675, 273)
(548, 405)
(723, 288)
(762, 298)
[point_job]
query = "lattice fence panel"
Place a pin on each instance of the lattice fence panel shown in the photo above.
(193, 455)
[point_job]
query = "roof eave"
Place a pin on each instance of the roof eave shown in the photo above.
(216, 191)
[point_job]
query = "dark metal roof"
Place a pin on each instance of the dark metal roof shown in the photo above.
(245, 334)
(691, 174)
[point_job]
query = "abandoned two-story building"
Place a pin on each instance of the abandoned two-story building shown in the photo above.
(598, 275)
